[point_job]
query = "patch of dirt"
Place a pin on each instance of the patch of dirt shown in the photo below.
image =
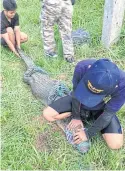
(55, 128)
(39, 119)
(41, 143)
(43, 140)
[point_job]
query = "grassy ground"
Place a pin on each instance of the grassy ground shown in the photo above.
(30, 143)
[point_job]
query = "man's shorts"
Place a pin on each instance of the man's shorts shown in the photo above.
(3, 42)
(64, 104)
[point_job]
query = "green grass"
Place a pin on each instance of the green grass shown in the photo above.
(29, 143)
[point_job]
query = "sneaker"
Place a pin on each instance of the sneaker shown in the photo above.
(70, 60)
(51, 55)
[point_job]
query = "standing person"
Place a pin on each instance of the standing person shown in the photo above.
(98, 94)
(60, 12)
(11, 35)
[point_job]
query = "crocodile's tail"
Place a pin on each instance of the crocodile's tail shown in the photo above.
(29, 62)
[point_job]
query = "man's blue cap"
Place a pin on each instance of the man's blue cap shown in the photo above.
(99, 81)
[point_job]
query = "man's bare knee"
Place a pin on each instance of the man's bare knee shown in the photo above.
(24, 39)
(115, 146)
(45, 113)
(10, 30)
(114, 141)
(11, 35)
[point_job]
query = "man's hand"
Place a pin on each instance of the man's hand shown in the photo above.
(10, 44)
(79, 136)
(17, 54)
(18, 46)
(74, 125)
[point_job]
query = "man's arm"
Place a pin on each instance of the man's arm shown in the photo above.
(80, 69)
(9, 43)
(105, 118)
(76, 120)
(75, 108)
(101, 122)
(77, 76)
(79, 72)
(17, 33)
(2, 27)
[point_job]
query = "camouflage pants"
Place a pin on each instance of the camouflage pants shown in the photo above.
(57, 12)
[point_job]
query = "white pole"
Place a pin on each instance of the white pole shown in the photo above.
(112, 22)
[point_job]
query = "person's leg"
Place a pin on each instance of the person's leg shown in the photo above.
(113, 134)
(52, 115)
(3, 42)
(9, 38)
(59, 109)
(65, 28)
(11, 35)
(23, 37)
(48, 16)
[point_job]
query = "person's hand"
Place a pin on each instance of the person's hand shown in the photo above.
(17, 54)
(18, 46)
(74, 125)
(79, 136)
